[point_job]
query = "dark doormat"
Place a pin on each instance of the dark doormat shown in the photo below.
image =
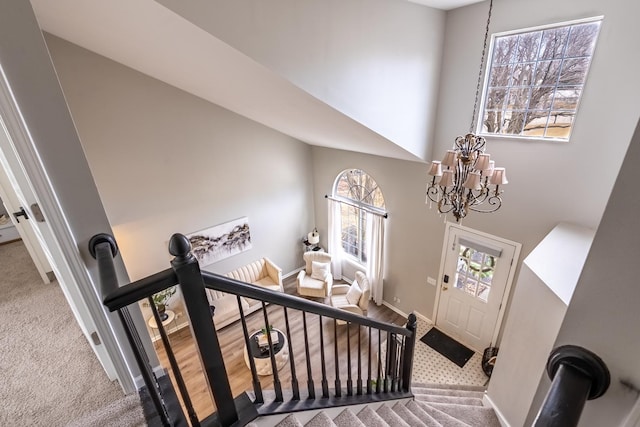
(448, 347)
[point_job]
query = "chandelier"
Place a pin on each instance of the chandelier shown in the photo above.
(467, 179)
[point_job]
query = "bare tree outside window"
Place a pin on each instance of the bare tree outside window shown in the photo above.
(362, 191)
(535, 80)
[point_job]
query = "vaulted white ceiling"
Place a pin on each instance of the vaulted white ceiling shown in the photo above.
(146, 36)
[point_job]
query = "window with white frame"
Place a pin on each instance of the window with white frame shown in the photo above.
(535, 79)
(359, 193)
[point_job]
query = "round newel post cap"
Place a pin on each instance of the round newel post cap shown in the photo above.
(179, 246)
(585, 361)
(103, 238)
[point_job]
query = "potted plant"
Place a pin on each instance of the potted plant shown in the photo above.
(161, 299)
(262, 337)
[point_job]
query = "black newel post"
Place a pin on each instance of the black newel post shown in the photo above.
(577, 375)
(187, 269)
(407, 362)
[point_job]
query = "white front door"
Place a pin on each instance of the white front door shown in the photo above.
(476, 271)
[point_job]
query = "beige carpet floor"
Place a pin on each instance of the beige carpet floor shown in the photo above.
(50, 375)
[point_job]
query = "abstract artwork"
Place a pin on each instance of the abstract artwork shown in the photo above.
(221, 241)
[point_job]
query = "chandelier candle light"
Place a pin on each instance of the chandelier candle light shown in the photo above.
(466, 183)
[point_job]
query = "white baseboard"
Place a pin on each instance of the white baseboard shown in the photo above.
(292, 273)
(486, 400)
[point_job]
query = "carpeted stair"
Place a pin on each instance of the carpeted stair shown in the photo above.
(433, 405)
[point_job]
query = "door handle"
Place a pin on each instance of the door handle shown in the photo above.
(20, 213)
(445, 288)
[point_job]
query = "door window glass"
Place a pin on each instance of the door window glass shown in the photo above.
(475, 272)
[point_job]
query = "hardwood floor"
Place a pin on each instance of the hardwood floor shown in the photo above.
(232, 344)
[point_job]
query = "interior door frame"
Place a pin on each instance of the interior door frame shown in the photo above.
(510, 277)
(22, 164)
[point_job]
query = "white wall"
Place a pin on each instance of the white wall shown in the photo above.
(377, 61)
(546, 283)
(548, 182)
(30, 74)
(603, 315)
(165, 161)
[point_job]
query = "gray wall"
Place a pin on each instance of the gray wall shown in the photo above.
(548, 182)
(165, 161)
(377, 61)
(414, 233)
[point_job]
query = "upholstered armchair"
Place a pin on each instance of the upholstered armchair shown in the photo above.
(354, 297)
(316, 279)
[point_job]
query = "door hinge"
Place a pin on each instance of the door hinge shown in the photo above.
(95, 338)
(37, 212)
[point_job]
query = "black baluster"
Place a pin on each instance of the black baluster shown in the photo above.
(193, 417)
(349, 380)
(359, 386)
(391, 361)
(274, 368)
(257, 388)
(294, 378)
(142, 360)
(401, 364)
(379, 380)
(369, 379)
(310, 386)
(325, 383)
(337, 362)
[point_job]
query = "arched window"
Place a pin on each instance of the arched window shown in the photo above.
(360, 194)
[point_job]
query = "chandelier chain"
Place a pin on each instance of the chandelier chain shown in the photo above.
(484, 52)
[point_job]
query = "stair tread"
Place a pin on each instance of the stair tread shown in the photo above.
(442, 417)
(289, 421)
(422, 414)
(457, 400)
(320, 420)
(391, 417)
(476, 415)
(347, 418)
(408, 416)
(447, 392)
(370, 418)
(472, 415)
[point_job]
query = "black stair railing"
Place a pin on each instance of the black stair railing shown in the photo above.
(388, 372)
(577, 375)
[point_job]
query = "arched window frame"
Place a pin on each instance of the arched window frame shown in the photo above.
(354, 211)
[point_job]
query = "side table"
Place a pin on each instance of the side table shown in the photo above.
(262, 357)
(171, 317)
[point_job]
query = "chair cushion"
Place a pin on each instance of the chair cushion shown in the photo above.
(339, 301)
(319, 270)
(354, 294)
(267, 282)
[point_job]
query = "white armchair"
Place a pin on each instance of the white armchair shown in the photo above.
(316, 279)
(354, 297)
